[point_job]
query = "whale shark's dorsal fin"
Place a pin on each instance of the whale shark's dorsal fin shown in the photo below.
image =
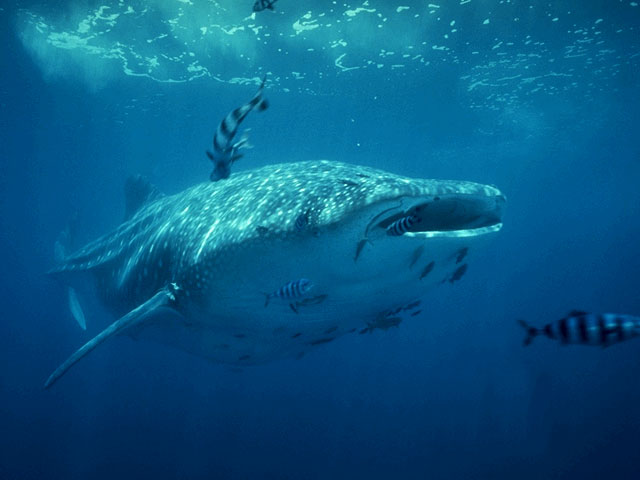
(164, 298)
(138, 191)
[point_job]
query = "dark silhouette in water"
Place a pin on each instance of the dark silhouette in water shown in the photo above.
(261, 5)
(582, 328)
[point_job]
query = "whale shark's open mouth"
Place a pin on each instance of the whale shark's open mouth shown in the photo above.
(449, 215)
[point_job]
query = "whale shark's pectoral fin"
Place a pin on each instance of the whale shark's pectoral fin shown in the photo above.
(164, 298)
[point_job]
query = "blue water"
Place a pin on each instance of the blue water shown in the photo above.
(539, 98)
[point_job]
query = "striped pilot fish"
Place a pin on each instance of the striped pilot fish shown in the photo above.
(582, 328)
(225, 152)
(291, 291)
(402, 226)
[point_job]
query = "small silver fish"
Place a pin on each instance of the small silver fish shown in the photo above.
(459, 273)
(383, 323)
(412, 305)
(460, 254)
(427, 269)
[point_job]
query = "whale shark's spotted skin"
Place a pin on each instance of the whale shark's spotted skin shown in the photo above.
(228, 243)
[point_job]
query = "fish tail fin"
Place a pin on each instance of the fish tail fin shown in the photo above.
(267, 298)
(241, 144)
(532, 332)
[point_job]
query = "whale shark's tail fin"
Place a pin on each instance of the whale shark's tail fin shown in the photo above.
(164, 298)
(139, 193)
(532, 332)
(60, 252)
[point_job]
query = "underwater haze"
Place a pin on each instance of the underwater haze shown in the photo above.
(539, 98)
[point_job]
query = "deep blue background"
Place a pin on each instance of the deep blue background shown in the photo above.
(450, 395)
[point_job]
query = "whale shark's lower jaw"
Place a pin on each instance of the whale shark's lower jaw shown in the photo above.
(472, 232)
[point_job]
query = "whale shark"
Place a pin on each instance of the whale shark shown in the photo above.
(192, 270)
